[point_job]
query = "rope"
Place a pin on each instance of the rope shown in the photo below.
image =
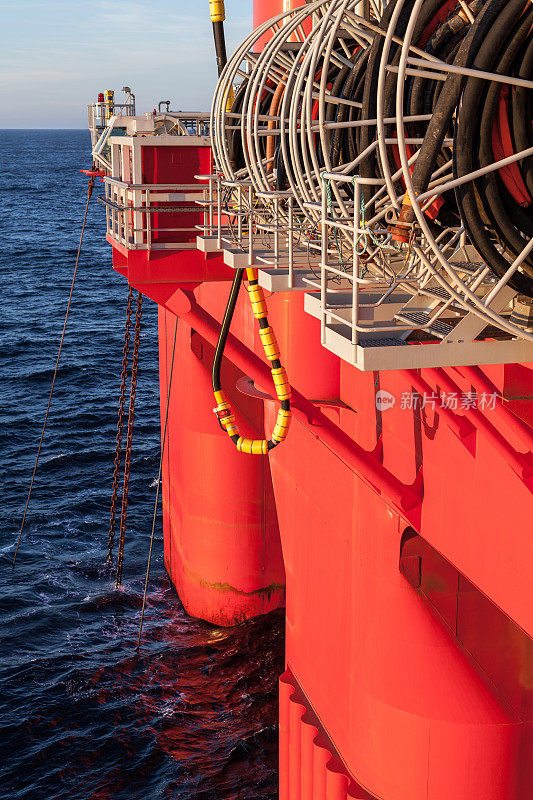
(158, 485)
(129, 439)
(90, 187)
(120, 425)
(363, 236)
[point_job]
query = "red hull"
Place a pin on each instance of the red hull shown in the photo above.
(407, 628)
(222, 548)
(403, 538)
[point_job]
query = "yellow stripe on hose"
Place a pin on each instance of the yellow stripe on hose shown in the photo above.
(281, 382)
(257, 299)
(228, 422)
(217, 11)
(282, 425)
(254, 447)
(270, 345)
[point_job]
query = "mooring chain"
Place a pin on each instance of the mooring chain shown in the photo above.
(129, 438)
(120, 425)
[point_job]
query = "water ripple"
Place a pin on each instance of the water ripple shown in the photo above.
(194, 716)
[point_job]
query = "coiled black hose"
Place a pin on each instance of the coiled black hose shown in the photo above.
(486, 199)
(449, 95)
(495, 209)
(486, 120)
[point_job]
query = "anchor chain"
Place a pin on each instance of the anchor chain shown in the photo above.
(129, 438)
(120, 426)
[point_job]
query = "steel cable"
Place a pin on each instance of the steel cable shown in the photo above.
(163, 440)
(90, 188)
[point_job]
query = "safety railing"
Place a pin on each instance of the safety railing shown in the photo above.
(153, 216)
(367, 290)
(353, 259)
(375, 292)
(100, 113)
(184, 123)
(408, 239)
(261, 229)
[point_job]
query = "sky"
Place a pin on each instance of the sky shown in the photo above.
(55, 56)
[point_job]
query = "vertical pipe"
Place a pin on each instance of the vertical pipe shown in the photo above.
(239, 213)
(276, 232)
(308, 735)
(355, 276)
(210, 212)
(148, 220)
(323, 259)
(290, 243)
(218, 15)
(286, 689)
(296, 713)
(219, 215)
(250, 231)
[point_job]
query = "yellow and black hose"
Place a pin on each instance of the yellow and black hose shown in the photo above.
(223, 410)
(218, 15)
(257, 299)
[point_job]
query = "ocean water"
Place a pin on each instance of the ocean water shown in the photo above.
(82, 716)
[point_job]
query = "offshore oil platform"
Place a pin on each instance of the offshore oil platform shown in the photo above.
(342, 256)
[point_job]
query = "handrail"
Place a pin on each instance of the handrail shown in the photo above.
(130, 210)
(154, 186)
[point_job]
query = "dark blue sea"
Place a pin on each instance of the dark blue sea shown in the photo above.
(83, 717)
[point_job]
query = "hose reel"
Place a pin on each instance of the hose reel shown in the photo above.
(427, 104)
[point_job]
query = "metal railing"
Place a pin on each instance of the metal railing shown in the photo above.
(182, 123)
(388, 266)
(100, 113)
(148, 216)
(366, 291)
(260, 229)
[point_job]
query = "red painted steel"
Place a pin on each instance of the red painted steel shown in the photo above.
(405, 539)
(521, 463)
(174, 165)
(222, 547)
(309, 414)
(263, 10)
(310, 768)
(266, 9)
(154, 270)
(460, 678)
(394, 689)
(502, 413)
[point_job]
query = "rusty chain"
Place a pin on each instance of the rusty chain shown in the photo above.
(129, 438)
(120, 426)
